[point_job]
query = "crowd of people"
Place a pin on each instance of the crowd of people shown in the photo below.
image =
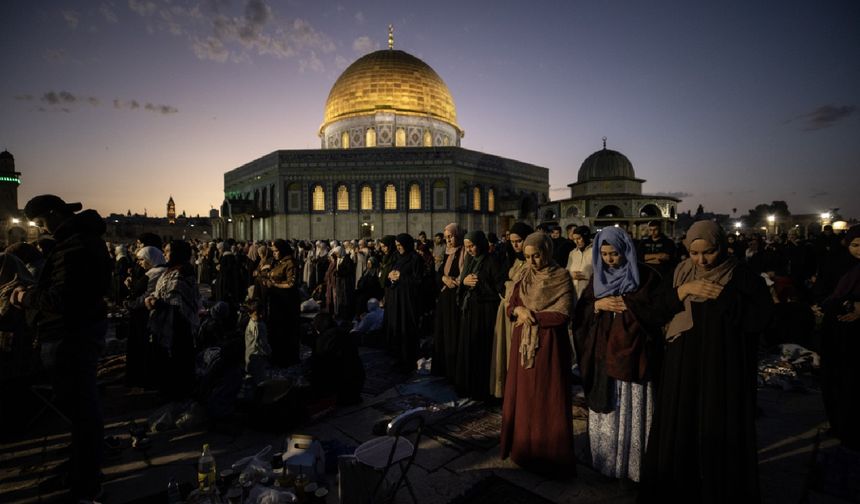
(664, 335)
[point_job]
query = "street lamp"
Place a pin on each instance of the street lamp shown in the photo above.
(771, 220)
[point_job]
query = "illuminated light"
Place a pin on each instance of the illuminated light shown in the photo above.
(192, 225)
(825, 216)
(31, 224)
(15, 220)
(229, 220)
(737, 225)
(771, 218)
(10, 179)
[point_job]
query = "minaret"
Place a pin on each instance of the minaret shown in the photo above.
(171, 211)
(9, 182)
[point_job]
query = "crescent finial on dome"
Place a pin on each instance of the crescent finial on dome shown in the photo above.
(391, 36)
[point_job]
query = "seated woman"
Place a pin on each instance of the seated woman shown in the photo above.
(336, 368)
(702, 445)
(537, 416)
(618, 334)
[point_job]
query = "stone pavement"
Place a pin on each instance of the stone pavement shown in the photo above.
(444, 468)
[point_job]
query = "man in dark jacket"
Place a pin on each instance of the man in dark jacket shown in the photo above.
(68, 310)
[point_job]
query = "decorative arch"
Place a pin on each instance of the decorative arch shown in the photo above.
(440, 195)
(390, 197)
(344, 140)
(610, 211)
(491, 200)
(366, 197)
(342, 197)
(428, 139)
(549, 215)
(294, 197)
(672, 211)
(476, 198)
(572, 212)
(318, 198)
(370, 138)
(400, 137)
(414, 196)
(650, 210)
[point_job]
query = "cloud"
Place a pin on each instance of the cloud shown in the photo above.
(64, 101)
(108, 13)
(71, 17)
(340, 62)
(215, 33)
(364, 45)
(676, 194)
(359, 17)
(311, 63)
(824, 116)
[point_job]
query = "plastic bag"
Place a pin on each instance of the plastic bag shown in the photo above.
(255, 468)
(267, 495)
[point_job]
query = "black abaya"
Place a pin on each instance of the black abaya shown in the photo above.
(702, 445)
(474, 348)
(446, 325)
(401, 310)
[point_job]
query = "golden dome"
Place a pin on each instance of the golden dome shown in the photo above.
(390, 80)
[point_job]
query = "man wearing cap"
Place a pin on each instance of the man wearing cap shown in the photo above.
(68, 310)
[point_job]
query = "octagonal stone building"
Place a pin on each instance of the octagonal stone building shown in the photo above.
(390, 162)
(607, 193)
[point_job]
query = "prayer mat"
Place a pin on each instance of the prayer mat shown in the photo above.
(379, 373)
(474, 427)
(496, 490)
(397, 405)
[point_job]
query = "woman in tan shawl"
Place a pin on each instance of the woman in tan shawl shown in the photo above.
(537, 420)
(702, 445)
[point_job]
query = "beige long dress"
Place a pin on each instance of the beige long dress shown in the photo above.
(502, 337)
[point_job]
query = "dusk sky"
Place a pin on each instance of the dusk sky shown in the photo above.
(121, 103)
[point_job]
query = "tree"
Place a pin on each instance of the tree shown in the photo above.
(758, 216)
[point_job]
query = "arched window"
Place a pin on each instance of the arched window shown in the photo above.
(344, 140)
(476, 199)
(390, 197)
(610, 211)
(650, 210)
(318, 199)
(440, 195)
(294, 197)
(428, 139)
(491, 200)
(370, 138)
(342, 197)
(415, 197)
(366, 198)
(400, 138)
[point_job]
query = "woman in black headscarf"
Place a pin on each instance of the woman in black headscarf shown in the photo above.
(446, 325)
(481, 285)
(702, 445)
(401, 303)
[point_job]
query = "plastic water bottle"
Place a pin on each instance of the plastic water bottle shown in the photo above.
(173, 495)
(206, 473)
